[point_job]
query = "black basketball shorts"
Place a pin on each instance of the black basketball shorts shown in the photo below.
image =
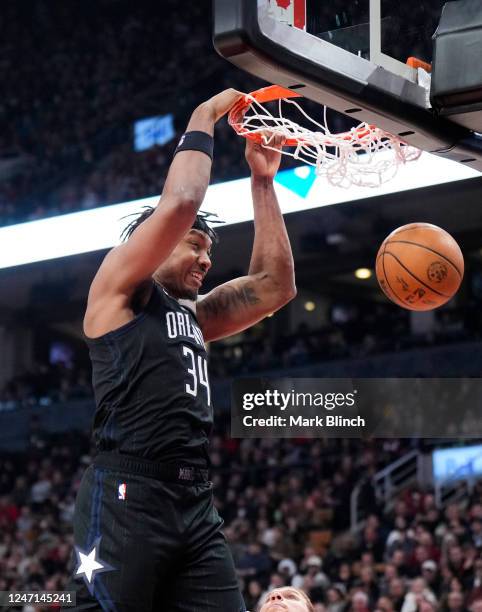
(144, 544)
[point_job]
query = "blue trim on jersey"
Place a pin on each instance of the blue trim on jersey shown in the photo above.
(94, 509)
(99, 590)
(103, 597)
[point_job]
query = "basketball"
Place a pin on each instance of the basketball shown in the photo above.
(419, 266)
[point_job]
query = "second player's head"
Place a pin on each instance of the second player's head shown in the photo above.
(183, 272)
(286, 599)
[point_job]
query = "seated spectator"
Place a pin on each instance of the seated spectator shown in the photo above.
(396, 592)
(336, 598)
(254, 563)
(252, 594)
(455, 602)
(313, 571)
(368, 582)
(418, 591)
(287, 569)
(344, 576)
(359, 602)
(430, 575)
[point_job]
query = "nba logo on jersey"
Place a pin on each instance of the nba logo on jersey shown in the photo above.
(122, 491)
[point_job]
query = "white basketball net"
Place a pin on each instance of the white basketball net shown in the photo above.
(365, 156)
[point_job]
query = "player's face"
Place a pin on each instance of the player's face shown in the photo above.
(285, 599)
(183, 272)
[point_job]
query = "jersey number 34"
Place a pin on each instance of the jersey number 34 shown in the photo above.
(199, 373)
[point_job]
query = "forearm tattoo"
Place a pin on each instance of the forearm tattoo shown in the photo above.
(230, 298)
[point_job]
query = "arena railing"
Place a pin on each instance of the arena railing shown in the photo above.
(387, 484)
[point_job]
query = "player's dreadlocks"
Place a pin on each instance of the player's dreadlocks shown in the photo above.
(200, 223)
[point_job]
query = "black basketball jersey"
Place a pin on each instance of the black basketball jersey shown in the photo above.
(151, 385)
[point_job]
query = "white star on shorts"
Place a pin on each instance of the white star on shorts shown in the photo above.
(89, 565)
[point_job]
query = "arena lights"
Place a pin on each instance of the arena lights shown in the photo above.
(363, 273)
(298, 189)
(310, 306)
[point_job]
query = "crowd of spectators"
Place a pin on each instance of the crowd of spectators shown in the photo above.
(413, 556)
(44, 384)
(363, 331)
(366, 332)
(286, 508)
(75, 81)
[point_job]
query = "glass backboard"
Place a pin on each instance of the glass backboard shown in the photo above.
(350, 56)
(386, 32)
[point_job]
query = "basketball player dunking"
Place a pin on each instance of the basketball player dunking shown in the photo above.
(146, 533)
